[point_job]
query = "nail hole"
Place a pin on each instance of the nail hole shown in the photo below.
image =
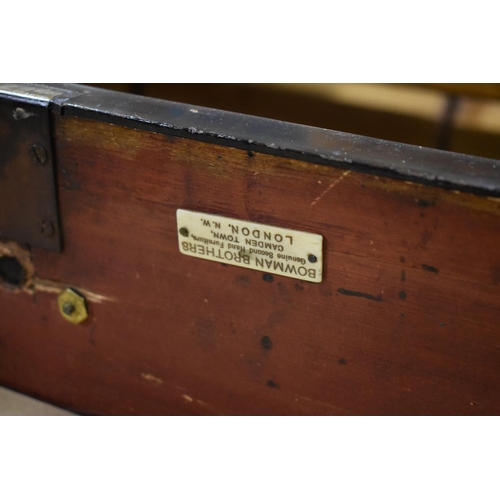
(11, 271)
(266, 342)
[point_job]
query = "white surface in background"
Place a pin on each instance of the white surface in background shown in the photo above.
(15, 404)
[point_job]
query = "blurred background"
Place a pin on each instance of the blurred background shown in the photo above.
(464, 118)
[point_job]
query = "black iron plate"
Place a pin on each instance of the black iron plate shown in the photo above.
(28, 202)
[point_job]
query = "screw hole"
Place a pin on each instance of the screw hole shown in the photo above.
(11, 271)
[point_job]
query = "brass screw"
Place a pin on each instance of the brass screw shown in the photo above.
(72, 306)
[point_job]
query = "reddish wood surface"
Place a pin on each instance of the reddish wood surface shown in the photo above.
(181, 335)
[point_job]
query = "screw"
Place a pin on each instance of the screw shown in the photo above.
(47, 228)
(72, 306)
(20, 114)
(312, 258)
(68, 308)
(39, 154)
(183, 231)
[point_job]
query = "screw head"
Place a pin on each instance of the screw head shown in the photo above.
(47, 228)
(68, 308)
(183, 231)
(38, 154)
(312, 258)
(72, 306)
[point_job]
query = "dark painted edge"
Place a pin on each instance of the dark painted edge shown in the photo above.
(316, 145)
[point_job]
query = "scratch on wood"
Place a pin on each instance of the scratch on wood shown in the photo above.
(337, 409)
(202, 403)
(33, 283)
(49, 286)
(353, 293)
(151, 378)
(189, 399)
(330, 187)
(431, 269)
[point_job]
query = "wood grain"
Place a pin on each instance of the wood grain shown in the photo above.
(405, 321)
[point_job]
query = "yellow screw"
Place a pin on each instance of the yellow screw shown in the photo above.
(72, 306)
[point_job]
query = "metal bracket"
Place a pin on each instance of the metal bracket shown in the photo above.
(28, 200)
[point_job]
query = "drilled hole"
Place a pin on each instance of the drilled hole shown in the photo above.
(11, 271)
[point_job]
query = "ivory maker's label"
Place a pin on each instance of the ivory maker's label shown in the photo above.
(268, 249)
